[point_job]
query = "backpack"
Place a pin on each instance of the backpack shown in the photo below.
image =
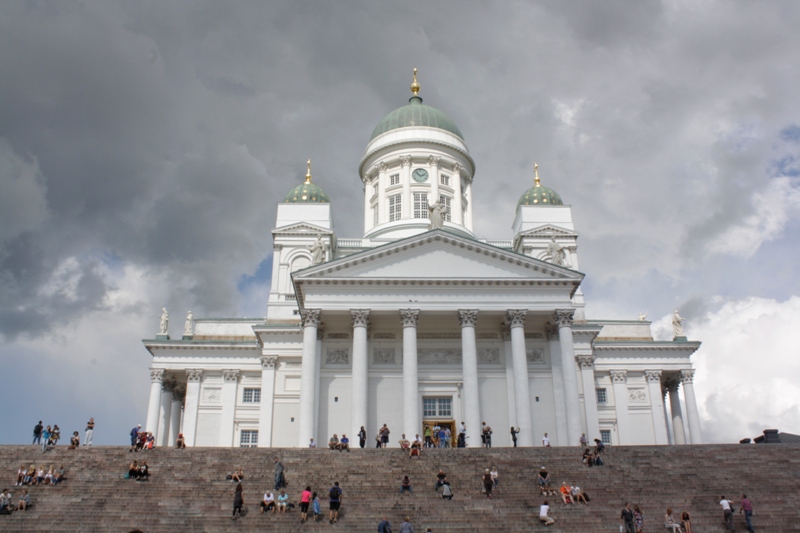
(447, 491)
(334, 493)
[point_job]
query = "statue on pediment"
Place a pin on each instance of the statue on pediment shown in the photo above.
(677, 324)
(164, 324)
(556, 253)
(436, 215)
(187, 326)
(318, 251)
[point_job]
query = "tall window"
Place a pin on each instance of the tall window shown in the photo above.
(251, 396)
(394, 208)
(420, 205)
(437, 407)
(601, 396)
(248, 439)
(374, 215)
(375, 190)
(394, 179)
(444, 179)
(445, 201)
(605, 436)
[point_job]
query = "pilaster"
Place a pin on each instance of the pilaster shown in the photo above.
(619, 378)
(230, 385)
(589, 397)
(194, 376)
(687, 380)
(563, 318)
(266, 407)
(657, 406)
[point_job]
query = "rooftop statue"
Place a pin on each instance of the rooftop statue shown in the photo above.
(677, 324)
(556, 253)
(164, 325)
(318, 250)
(187, 326)
(436, 214)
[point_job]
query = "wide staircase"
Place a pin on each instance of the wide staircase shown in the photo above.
(188, 490)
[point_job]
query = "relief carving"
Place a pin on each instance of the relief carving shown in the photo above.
(489, 356)
(337, 357)
(383, 356)
(534, 355)
(439, 356)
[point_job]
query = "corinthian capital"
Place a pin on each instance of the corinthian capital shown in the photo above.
(230, 375)
(156, 375)
(269, 361)
(687, 376)
(405, 160)
(310, 317)
(382, 167)
(653, 376)
(564, 317)
(359, 317)
(516, 317)
(586, 361)
(433, 161)
(409, 317)
(457, 168)
(467, 317)
(194, 374)
(619, 376)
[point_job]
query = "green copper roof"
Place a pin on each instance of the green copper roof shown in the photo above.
(416, 114)
(539, 195)
(307, 193)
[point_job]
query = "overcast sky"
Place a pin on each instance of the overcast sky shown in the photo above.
(144, 147)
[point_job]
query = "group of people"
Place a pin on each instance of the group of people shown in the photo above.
(7, 506)
(49, 436)
(42, 476)
(142, 440)
(138, 471)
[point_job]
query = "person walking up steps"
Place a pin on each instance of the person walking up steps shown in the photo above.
(335, 494)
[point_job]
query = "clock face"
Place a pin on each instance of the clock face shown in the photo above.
(420, 175)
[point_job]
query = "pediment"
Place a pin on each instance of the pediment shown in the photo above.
(437, 255)
(301, 228)
(547, 230)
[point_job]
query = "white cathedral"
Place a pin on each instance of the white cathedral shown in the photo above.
(421, 322)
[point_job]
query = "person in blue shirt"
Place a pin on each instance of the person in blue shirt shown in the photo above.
(344, 444)
(45, 438)
(316, 507)
(384, 526)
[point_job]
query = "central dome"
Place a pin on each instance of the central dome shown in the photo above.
(416, 114)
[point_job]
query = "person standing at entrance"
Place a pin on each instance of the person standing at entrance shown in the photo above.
(514, 435)
(362, 437)
(87, 441)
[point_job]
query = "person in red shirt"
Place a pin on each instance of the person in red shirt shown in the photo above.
(305, 501)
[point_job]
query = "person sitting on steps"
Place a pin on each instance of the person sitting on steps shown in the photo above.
(344, 444)
(440, 477)
(577, 494)
(566, 493)
(237, 476)
(544, 481)
(405, 486)
(144, 472)
(447, 491)
(268, 503)
(333, 443)
(404, 444)
(24, 501)
(180, 442)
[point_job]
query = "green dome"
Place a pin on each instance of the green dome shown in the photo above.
(307, 193)
(539, 195)
(416, 114)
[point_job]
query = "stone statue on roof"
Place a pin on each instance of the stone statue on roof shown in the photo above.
(677, 324)
(188, 325)
(318, 250)
(555, 253)
(436, 215)
(164, 325)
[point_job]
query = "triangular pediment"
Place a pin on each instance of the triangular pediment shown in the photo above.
(301, 228)
(437, 255)
(547, 230)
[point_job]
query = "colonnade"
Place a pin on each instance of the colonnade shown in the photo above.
(164, 413)
(409, 318)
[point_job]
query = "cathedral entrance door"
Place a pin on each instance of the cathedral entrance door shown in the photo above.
(443, 425)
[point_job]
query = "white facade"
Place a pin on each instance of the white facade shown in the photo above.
(410, 325)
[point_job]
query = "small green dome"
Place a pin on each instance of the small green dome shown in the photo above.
(307, 193)
(416, 114)
(539, 195)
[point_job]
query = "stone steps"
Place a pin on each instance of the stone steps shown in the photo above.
(188, 490)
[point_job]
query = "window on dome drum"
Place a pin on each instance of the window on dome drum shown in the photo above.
(394, 208)
(444, 180)
(437, 407)
(374, 215)
(445, 201)
(251, 396)
(375, 190)
(248, 439)
(394, 179)
(601, 396)
(605, 436)
(420, 205)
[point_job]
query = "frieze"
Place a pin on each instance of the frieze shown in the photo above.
(489, 356)
(383, 335)
(637, 396)
(487, 335)
(338, 335)
(337, 357)
(439, 356)
(438, 335)
(383, 356)
(534, 336)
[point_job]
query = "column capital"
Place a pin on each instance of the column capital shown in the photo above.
(687, 376)
(194, 374)
(359, 318)
(619, 376)
(467, 317)
(586, 361)
(409, 317)
(405, 160)
(310, 317)
(672, 386)
(457, 168)
(564, 317)
(157, 375)
(433, 161)
(382, 167)
(653, 376)
(551, 330)
(516, 317)
(269, 361)
(230, 376)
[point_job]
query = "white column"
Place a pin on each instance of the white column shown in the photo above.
(657, 406)
(383, 208)
(620, 380)
(562, 435)
(308, 376)
(670, 436)
(406, 207)
(589, 398)
(267, 405)
(230, 385)
(516, 321)
(360, 320)
(457, 214)
(162, 435)
(154, 408)
(511, 395)
(317, 377)
(563, 318)
(193, 378)
(469, 362)
(433, 164)
(411, 421)
(678, 434)
(175, 416)
(468, 220)
(687, 379)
